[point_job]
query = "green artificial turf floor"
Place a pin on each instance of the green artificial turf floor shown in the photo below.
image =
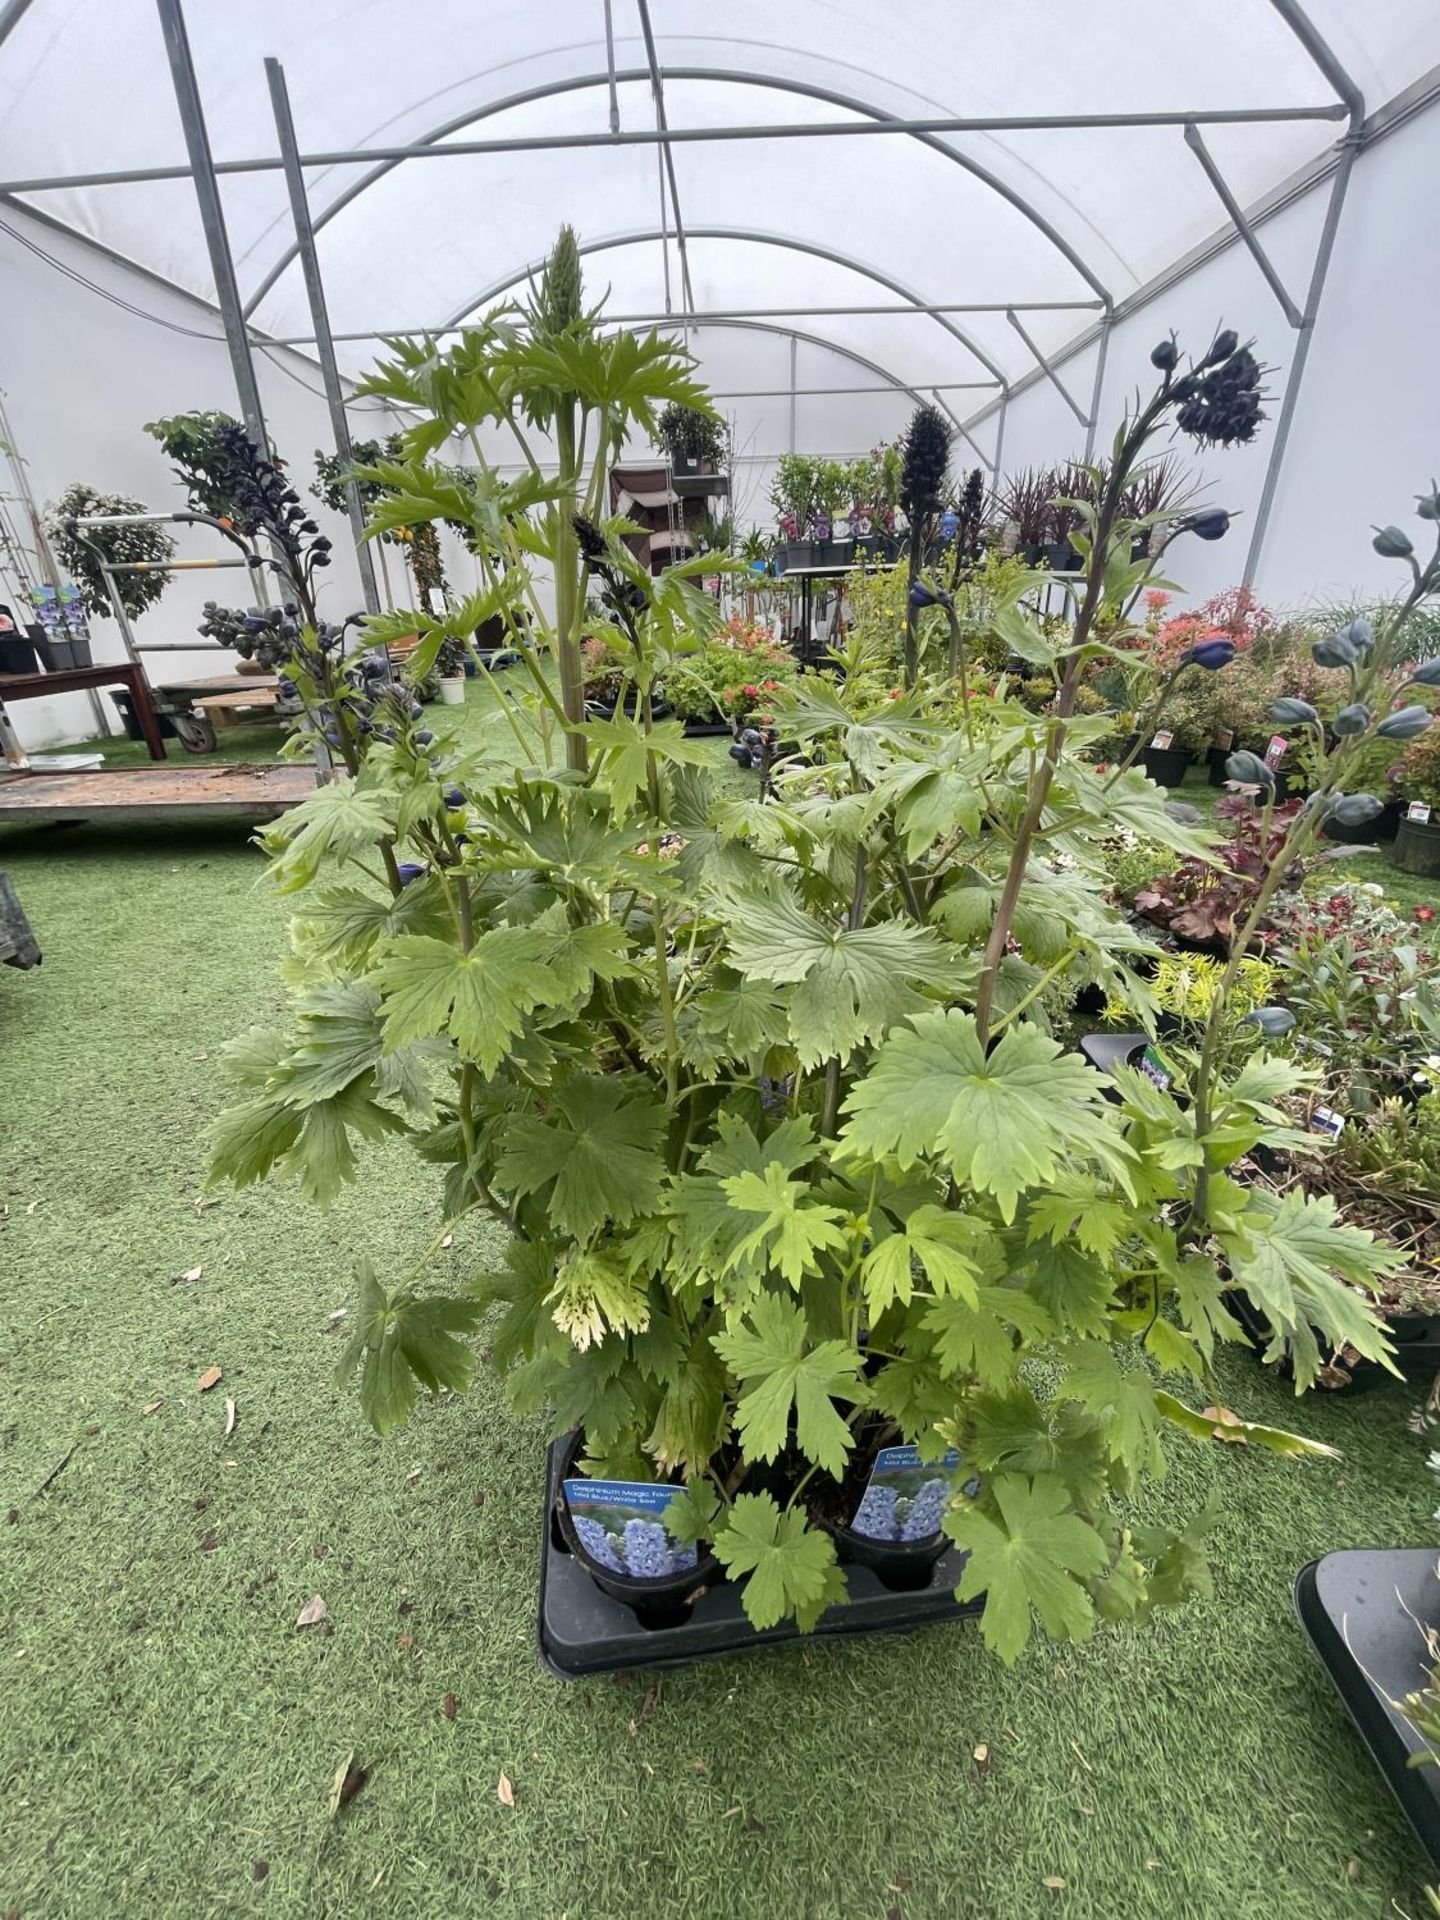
(168, 1738)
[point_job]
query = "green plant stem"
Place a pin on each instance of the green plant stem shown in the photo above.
(667, 1006)
(1044, 776)
(566, 554)
(830, 1110)
(912, 652)
(1062, 965)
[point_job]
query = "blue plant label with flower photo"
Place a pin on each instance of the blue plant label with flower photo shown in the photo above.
(1326, 1120)
(906, 1497)
(621, 1524)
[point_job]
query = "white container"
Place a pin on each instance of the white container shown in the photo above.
(452, 691)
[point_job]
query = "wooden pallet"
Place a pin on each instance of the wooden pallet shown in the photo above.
(261, 791)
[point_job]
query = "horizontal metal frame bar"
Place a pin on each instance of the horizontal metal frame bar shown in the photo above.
(689, 136)
(752, 236)
(819, 393)
(711, 76)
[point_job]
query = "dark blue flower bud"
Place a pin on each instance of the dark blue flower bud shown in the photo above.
(1354, 809)
(454, 798)
(1165, 355)
(1408, 724)
(1427, 674)
(1248, 769)
(1392, 543)
(1214, 524)
(1352, 719)
(1210, 654)
(1360, 634)
(424, 738)
(740, 754)
(1337, 651)
(1225, 345)
(1427, 505)
(1288, 712)
(409, 870)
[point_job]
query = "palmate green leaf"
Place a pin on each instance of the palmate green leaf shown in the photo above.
(1301, 1266)
(345, 816)
(708, 1228)
(1134, 802)
(248, 1139)
(785, 1227)
(849, 984)
(251, 1057)
(1001, 1122)
(322, 1156)
(402, 1343)
(338, 1039)
(781, 1371)
(628, 376)
(482, 997)
(944, 1244)
(344, 924)
(692, 1420)
(744, 1018)
(1124, 1400)
(692, 1516)
(791, 1566)
(622, 749)
(594, 1295)
(1027, 1562)
(1075, 1288)
(978, 1337)
(1011, 1432)
(594, 1153)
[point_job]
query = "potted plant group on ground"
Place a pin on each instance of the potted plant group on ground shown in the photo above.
(766, 1092)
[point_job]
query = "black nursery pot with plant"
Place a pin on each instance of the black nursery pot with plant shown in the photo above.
(1417, 848)
(1166, 766)
(656, 1603)
(1384, 826)
(797, 553)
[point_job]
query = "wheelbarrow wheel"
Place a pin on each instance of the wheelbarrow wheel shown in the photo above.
(196, 735)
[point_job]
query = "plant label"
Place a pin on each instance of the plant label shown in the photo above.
(863, 523)
(906, 1497)
(621, 1524)
(1161, 740)
(1418, 812)
(1326, 1120)
(1276, 750)
(1225, 739)
(1155, 1067)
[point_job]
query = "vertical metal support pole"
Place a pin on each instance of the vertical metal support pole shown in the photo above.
(1323, 251)
(320, 319)
(794, 346)
(1107, 321)
(999, 439)
(212, 215)
(610, 68)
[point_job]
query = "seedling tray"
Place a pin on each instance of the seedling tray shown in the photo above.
(583, 1631)
(1365, 1612)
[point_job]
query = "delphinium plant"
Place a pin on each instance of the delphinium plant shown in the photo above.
(765, 1096)
(544, 367)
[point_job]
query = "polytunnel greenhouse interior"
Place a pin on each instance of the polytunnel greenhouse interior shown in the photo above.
(719, 855)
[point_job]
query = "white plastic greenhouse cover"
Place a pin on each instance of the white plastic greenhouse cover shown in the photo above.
(1079, 215)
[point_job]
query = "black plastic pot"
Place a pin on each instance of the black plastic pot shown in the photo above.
(584, 1631)
(1062, 557)
(1166, 766)
(797, 553)
(1215, 759)
(1365, 1612)
(1417, 848)
(687, 465)
(56, 656)
(17, 654)
(904, 1566)
(80, 649)
(655, 1603)
(707, 729)
(1383, 827)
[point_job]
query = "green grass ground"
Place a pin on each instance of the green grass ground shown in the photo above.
(168, 1738)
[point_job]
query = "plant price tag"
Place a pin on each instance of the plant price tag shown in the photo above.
(1161, 740)
(621, 1524)
(1326, 1120)
(1418, 812)
(1276, 750)
(906, 1497)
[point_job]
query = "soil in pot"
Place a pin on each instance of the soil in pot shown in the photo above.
(663, 1601)
(1417, 848)
(903, 1565)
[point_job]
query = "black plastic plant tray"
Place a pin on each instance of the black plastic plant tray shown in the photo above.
(583, 1631)
(1415, 1337)
(1365, 1611)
